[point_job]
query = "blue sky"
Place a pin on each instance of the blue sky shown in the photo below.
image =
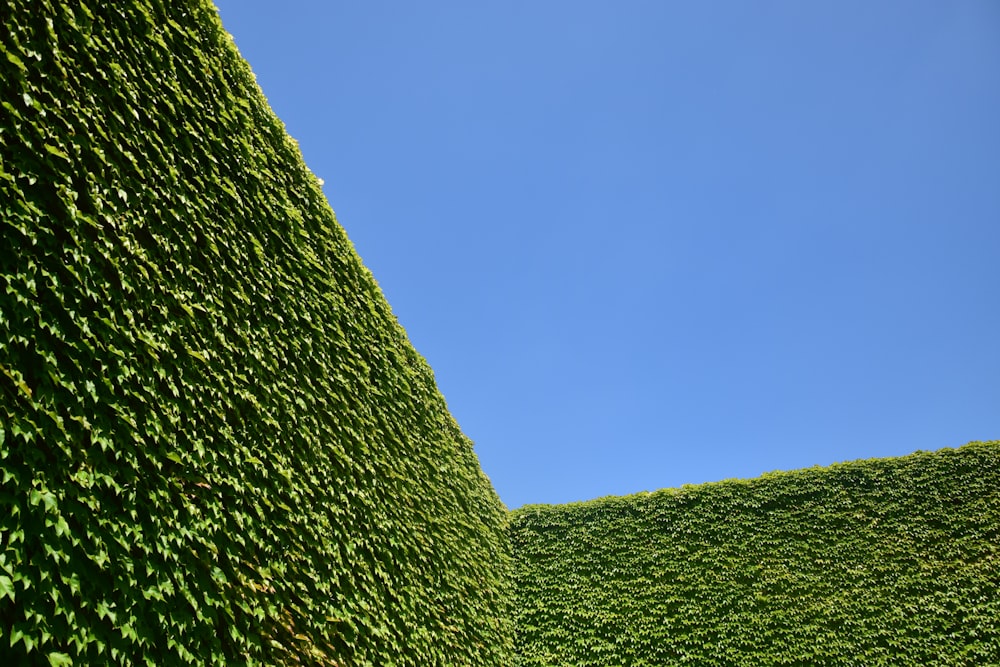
(652, 243)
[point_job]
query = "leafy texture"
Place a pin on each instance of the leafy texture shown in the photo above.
(879, 562)
(217, 445)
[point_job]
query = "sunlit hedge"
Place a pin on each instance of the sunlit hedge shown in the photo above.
(880, 562)
(217, 445)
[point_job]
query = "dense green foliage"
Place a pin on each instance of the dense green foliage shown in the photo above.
(880, 562)
(217, 445)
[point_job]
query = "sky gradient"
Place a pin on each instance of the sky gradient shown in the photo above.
(646, 243)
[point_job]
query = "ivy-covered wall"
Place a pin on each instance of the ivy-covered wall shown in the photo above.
(217, 446)
(879, 562)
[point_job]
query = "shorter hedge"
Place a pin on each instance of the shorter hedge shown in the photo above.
(876, 562)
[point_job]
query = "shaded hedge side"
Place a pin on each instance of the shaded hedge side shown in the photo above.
(878, 562)
(217, 445)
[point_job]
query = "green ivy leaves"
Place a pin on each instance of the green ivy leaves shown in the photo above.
(881, 562)
(217, 445)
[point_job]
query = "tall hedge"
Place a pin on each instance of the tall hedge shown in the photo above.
(217, 445)
(879, 562)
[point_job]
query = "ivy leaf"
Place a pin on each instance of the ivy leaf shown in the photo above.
(6, 587)
(57, 659)
(55, 151)
(16, 61)
(45, 497)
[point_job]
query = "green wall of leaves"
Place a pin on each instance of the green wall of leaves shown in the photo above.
(217, 445)
(879, 562)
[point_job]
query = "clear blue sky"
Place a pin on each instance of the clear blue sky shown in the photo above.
(651, 243)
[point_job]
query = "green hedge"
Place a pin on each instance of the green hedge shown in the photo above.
(217, 445)
(880, 562)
